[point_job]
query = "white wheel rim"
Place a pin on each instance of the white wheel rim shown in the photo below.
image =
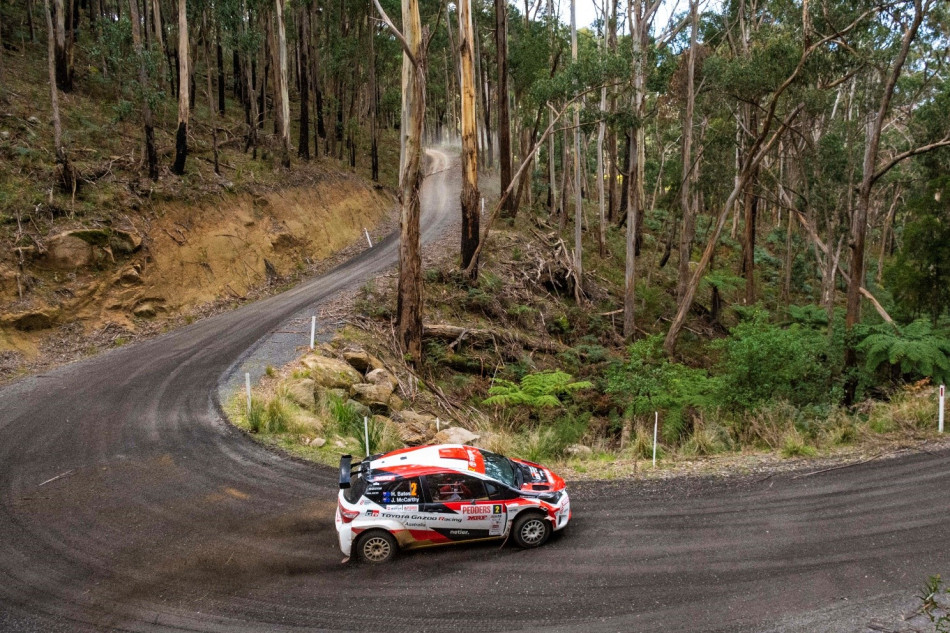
(532, 532)
(376, 549)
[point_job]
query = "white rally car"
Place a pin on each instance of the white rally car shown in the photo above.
(449, 493)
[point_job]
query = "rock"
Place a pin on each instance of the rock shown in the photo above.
(361, 360)
(148, 308)
(301, 392)
(390, 428)
(395, 403)
(361, 409)
(93, 237)
(579, 450)
(125, 241)
(455, 435)
(30, 321)
(330, 372)
(415, 428)
(67, 252)
(130, 277)
(33, 120)
(374, 396)
(317, 442)
(382, 377)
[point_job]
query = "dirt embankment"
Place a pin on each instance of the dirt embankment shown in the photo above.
(171, 260)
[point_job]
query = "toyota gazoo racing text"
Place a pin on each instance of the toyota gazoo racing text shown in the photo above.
(449, 493)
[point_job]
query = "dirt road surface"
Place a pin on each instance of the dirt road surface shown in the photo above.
(128, 503)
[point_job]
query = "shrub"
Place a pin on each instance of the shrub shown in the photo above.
(793, 445)
(649, 382)
(763, 362)
(277, 416)
(256, 416)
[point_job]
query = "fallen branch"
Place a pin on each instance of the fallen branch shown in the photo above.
(454, 333)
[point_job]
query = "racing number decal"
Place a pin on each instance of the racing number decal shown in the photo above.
(413, 489)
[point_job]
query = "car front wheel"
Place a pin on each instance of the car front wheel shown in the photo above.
(531, 530)
(376, 547)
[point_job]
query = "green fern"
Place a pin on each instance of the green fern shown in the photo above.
(538, 391)
(915, 350)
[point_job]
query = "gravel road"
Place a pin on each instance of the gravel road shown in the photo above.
(128, 503)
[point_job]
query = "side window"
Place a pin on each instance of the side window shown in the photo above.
(401, 491)
(497, 492)
(445, 487)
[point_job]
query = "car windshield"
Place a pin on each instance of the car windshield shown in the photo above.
(500, 468)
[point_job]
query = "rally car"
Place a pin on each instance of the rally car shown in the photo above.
(448, 493)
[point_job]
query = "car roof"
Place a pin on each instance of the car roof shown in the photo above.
(419, 460)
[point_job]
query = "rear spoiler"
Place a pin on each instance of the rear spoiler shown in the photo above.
(345, 466)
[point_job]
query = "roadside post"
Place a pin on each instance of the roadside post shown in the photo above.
(313, 330)
(656, 428)
(247, 387)
(940, 410)
(367, 237)
(366, 433)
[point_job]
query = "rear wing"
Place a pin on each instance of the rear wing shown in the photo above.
(346, 462)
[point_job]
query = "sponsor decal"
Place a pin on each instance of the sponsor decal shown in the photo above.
(384, 477)
(485, 509)
(372, 513)
(496, 525)
(458, 532)
(404, 508)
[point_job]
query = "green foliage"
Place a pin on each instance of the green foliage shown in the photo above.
(911, 352)
(928, 596)
(256, 416)
(919, 276)
(649, 382)
(537, 391)
(762, 362)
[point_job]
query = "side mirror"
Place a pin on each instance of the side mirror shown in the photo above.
(345, 462)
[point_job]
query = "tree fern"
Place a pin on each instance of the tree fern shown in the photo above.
(538, 391)
(915, 350)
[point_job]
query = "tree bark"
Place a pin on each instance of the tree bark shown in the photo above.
(62, 50)
(69, 180)
(151, 156)
(373, 105)
(687, 190)
(409, 289)
(470, 199)
(181, 138)
(282, 88)
(504, 123)
(578, 199)
(210, 88)
(303, 28)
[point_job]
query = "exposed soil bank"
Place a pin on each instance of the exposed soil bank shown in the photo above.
(173, 259)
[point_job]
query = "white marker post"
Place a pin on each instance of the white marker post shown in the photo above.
(483, 206)
(313, 330)
(656, 428)
(940, 410)
(247, 385)
(367, 237)
(366, 433)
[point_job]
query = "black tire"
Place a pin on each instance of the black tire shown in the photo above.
(531, 530)
(375, 547)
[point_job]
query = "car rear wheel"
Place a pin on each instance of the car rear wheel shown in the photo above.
(531, 530)
(376, 547)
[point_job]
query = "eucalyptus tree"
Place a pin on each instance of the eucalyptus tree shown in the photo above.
(469, 194)
(184, 112)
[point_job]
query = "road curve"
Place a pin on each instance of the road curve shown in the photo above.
(127, 503)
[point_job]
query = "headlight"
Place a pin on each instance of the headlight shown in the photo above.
(552, 497)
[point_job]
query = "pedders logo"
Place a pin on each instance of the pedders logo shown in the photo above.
(492, 509)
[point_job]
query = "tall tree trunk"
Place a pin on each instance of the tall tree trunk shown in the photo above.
(504, 124)
(409, 290)
(373, 104)
(281, 80)
(870, 174)
(687, 190)
(303, 29)
(219, 53)
(151, 156)
(63, 53)
(210, 87)
(181, 138)
(470, 198)
(578, 201)
(750, 207)
(68, 177)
